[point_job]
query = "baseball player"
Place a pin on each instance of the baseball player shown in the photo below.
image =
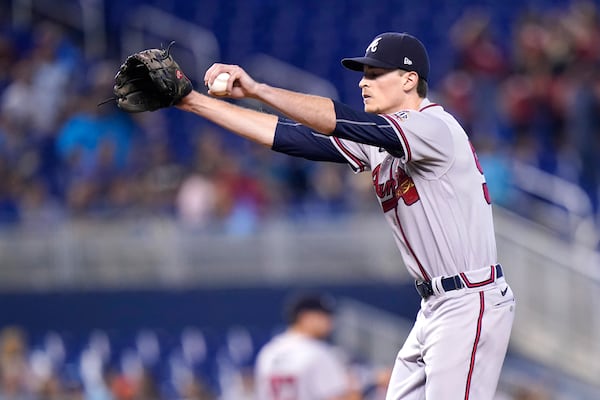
(431, 189)
(298, 364)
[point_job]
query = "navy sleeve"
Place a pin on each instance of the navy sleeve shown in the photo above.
(367, 128)
(297, 140)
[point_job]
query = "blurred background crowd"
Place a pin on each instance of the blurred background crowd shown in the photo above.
(526, 87)
(523, 77)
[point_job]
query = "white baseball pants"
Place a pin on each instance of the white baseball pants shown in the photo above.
(457, 346)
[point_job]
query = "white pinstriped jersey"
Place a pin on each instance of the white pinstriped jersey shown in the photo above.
(434, 198)
(296, 367)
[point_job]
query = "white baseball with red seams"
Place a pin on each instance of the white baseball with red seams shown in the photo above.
(219, 85)
(436, 201)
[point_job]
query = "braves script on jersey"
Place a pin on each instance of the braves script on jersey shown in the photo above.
(434, 197)
(433, 192)
(436, 201)
(296, 367)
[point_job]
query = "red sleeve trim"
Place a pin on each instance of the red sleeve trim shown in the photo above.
(359, 164)
(402, 135)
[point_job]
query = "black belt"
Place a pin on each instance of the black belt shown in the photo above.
(451, 283)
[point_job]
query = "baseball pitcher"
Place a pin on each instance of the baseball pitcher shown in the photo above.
(426, 177)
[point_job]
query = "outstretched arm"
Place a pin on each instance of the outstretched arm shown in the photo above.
(250, 124)
(316, 112)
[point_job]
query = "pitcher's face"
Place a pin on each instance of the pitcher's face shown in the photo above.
(384, 91)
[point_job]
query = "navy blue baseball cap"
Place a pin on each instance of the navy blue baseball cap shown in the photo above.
(393, 50)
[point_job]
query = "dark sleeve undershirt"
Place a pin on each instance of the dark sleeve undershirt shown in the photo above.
(367, 128)
(297, 140)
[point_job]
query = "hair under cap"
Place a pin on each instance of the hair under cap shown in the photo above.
(300, 303)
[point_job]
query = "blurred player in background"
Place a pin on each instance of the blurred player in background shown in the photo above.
(299, 364)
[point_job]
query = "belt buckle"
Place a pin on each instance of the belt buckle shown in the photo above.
(424, 289)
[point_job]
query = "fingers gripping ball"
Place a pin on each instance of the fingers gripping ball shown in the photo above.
(219, 85)
(149, 80)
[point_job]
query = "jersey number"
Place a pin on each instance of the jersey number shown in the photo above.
(486, 192)
(284, 387)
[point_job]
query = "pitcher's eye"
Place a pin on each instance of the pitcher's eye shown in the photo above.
(374, 74)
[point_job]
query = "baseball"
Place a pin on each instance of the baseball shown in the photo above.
(219, 85)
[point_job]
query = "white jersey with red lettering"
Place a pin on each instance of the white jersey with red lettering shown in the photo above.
(435, 197)
(293, 366)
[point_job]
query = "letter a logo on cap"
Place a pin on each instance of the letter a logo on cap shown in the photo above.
(373, 46)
